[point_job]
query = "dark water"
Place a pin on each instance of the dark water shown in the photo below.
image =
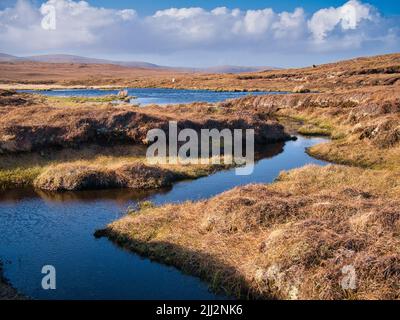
(38, 229)
(156, 96)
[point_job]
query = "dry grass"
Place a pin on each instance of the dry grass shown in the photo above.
(288, 240)
(38, 129)
(42, 125)
(363, 124)
(95, 167)
(292, 239)
(77, 101)
(72, 177)
(344, 75)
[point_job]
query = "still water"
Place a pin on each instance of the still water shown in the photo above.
(156, 96)
(38, 229)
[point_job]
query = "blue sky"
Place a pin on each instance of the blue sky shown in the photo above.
(387, 7)
(204, 32)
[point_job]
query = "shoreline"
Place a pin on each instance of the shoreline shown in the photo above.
(281, 257)
(40, 88)
(291, 239)
(7, 291)
(40, 126)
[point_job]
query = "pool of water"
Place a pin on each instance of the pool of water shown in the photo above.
(38, 228)
(156, 96)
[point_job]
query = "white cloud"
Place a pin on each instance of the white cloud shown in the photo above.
(258, 21)
(348, 17)
(82, 27)
(290, 25)
(78, 24)
(220, 11)
(127, 14)
(180, 14)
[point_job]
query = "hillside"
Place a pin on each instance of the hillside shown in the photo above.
(73, 59)
(344, 75)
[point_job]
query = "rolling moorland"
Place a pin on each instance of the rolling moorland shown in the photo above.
(286, 240)
(71, 59)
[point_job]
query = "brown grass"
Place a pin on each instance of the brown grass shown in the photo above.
(43, 125)
(95, 167)
(288, 240)
(364, 124)
(292, 239)
(344, 75)
(77, 177)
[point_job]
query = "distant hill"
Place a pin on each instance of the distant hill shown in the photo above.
(9, 58)
(235, 69)
(66, 58)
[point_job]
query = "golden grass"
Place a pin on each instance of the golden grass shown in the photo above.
(365, 133)
(288, 240)
(357, 154)
(43, 125)
(48, 169)
(344, 75)
(75, 100)
(293, 239)
(312, 130)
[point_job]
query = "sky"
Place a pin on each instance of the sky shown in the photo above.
(202, 33)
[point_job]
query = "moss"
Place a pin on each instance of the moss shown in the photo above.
(82, 100)
(311, 130)
(18, 177)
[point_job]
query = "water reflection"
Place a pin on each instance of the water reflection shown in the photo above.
(39, 228)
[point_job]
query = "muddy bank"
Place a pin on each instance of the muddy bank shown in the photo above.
(299, 237)
(363, 123)
(42, 126)
(95, 167)
(288, 240)
(361, 102)
(11, 98)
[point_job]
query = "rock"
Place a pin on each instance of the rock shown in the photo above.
(301, 89)
(123, 94)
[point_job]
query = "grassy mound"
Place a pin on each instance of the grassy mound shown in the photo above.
(288, 240)
(70, 177)
(47, 124)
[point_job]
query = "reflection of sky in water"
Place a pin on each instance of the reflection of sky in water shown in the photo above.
(156, 96)
(40, 228)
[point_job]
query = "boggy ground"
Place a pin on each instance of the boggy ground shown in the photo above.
(343, 75)
(299, 237)
(38, 126)
(364, 124)
(287, 240)
(62, 144)
(94, 167)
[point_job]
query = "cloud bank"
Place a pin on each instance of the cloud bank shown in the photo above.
(81, 27)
